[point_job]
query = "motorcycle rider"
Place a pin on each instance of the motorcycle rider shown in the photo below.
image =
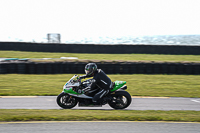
(100, 79)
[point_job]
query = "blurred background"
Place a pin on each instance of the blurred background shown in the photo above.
(101, 21)
(153, 45)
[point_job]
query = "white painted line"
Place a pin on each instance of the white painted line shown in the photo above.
(18, 96)
(37, 96)
(197, 101)
(147, 97)
(92, 122)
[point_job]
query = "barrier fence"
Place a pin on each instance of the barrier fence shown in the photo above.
(101, 48)
(107, 67)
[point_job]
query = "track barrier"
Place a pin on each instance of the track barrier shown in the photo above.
(102, 48)
(107, 67)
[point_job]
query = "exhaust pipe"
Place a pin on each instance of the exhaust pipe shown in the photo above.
(124, 87)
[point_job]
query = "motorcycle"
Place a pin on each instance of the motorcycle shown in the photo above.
(117, 97)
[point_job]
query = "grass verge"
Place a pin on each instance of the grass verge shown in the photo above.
(101, 57)
(138, 84)
(97, 115)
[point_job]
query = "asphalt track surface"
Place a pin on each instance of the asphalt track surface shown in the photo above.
(138, 103)
(99, 127)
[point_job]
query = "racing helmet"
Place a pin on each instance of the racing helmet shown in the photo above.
(90, 68)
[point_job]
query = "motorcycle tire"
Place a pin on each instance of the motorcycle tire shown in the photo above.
(66, 101)
(120, 100)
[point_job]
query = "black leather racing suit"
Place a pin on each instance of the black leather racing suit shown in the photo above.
(101, 80)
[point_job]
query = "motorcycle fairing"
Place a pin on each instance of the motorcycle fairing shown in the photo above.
(118, 85)
(75, 81)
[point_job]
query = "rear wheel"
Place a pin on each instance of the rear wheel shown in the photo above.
(120, 100)
(66, 101)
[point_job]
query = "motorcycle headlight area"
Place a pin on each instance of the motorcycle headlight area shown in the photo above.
(68, 88)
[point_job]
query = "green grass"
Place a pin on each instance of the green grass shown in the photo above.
(97, 115)
(138, 84)
(113, 57)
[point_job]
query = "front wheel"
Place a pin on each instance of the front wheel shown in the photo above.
(120, 100)
(66, 101)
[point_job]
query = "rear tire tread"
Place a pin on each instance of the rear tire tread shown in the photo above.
(121, 93)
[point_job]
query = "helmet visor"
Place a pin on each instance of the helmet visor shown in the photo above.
(87, 72)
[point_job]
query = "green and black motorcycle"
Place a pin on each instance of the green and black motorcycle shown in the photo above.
(117, 98)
